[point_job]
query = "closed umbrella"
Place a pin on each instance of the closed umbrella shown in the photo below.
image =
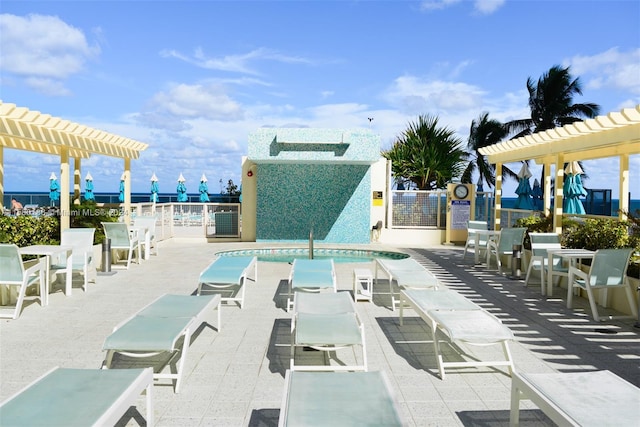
(537, 194)
(182, 189)
(121, 194)
(154, 188)
(523, 191)
(572, 189)
(204, 189)
(88, 188)
(54, 189)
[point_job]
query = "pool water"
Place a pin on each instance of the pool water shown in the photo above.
(338, 255)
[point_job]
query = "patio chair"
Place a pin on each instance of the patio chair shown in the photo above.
(158, 328)
(608, 271)
(503, 246)
(122, 239)
(81, 240)
(13, 275)
(229, 274)
(540, 242)
(593, 398)
(474, 239)
(148, 222)
(311, 275)
(79, 397)
(407, 273)
(339, 399)
(327, 322)
(461, 321)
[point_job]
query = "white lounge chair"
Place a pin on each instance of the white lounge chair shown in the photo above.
(407, 273)
(230, 274)
(461, 321)
(327, 322)
(79, 397)
(339, 399)
(608, 271)
(13, 275)
(81, 240)
(311, 275)
(157, 329)
(595, 398)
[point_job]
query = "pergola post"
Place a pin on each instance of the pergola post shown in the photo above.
(558, 199)
(498, 201)
(547, 187)
(77, 179)
(624, 187)
(127, 191)
(65, 213)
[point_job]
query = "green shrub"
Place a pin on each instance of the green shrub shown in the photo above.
(597, 233)
(25, 230)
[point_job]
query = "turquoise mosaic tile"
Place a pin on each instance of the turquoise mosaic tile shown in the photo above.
(313, 145)
(333, 200)
(316, 179)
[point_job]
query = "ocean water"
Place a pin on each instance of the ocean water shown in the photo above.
(42, 199)
(634, 205)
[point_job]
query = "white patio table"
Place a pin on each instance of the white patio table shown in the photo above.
(50, 251)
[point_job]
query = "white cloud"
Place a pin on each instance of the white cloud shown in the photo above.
(198, 100)
(611, 69)
(484, 7)
(417, 96)
(239, 63)
(487, 7)
(43, 50)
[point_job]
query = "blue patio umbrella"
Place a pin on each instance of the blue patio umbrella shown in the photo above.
(572, 189)
(536, 193)
(121, 194)
(523, 191)
(54, 189)
(204, 190)
(88, 188)
(154, 189)
(182, 189)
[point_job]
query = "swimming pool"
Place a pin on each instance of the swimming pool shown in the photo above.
(338, 255)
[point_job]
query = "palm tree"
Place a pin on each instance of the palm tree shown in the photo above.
(426, 154)
(483, 132)
(551, 103)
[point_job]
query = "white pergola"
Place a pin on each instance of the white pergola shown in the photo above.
(23, 129)
(616, 134)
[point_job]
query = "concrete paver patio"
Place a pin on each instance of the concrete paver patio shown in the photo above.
(235, 377)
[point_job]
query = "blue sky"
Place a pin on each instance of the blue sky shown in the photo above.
(194, 78)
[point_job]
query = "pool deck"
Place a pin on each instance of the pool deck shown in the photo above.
(235, 377)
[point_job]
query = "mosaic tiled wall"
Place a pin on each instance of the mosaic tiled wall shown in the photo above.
(334, 199)
(308, 177)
